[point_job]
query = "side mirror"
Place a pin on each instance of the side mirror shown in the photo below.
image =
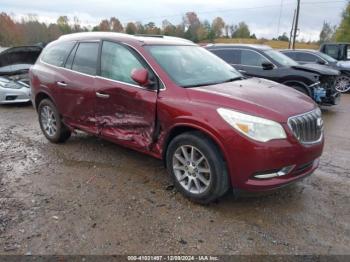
(140, 76)
(320, 62)
(267, 66)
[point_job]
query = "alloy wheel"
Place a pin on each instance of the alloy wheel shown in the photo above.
(191, 169)
(342, 84)
(48, 120)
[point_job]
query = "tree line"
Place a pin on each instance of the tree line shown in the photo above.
(30, 31)
(339, 33)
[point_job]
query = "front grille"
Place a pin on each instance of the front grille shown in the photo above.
(307, 128)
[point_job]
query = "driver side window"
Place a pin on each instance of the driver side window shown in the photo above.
(250, 58)
(117, 62)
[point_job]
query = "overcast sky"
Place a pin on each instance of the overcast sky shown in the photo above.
(266, 18)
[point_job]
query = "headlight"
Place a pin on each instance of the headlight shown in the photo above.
(2, 83)
(10, 84)
(256, 128)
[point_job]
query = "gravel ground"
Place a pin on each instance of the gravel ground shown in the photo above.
(89, 196)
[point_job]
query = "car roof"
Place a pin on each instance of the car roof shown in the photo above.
(300, 50)
(336, 43)
(135, 39)
(251, 46)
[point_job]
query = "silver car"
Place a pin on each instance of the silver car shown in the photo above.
(14, 66)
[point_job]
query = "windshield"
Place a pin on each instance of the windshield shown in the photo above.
(191, 66)
(327, 57)
(281, 58)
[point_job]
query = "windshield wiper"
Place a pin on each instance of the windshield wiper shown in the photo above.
(216, 83)
(203, 84)
(233, 79)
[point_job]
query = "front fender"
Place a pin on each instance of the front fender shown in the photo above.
(191, 123)
(37, 97)
(292, 83)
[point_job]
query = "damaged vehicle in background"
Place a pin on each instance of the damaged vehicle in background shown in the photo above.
(173, 100)
(308, 56)
(14, 66)
(315, 81)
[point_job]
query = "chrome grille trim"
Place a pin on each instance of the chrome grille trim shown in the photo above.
(305, 127)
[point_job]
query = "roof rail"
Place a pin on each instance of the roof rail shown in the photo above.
(147, 35)
(165, 37)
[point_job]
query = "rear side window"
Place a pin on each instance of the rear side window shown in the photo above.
(251, 58)
(85, 59)
(117, 62)
(57, 54)
(231, 56)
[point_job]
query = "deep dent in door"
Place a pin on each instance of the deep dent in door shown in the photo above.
(124, 121)
(127, 127)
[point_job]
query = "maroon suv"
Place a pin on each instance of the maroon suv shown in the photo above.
(172, 99)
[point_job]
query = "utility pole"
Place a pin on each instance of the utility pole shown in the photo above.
(279, 19)
(291, 32)
(296, 24)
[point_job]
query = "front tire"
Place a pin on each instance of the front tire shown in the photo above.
(51, 124)
(197, 167)
(342, 84)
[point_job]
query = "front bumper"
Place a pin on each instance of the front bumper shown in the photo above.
(11, 96)
(325, 93)
(246, 159)
(332, 99)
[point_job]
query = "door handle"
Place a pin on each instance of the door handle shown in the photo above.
(100, 95)
(61, 83)
(242, 71)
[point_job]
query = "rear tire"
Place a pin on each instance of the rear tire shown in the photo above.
(51, 124)
(197, 167)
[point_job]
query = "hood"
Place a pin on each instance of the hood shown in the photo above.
(317, 68)
(18, 58)
(257, 97)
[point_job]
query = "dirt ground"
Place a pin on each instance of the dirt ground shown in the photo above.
(89, 196)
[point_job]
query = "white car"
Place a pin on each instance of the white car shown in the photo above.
(14, 66)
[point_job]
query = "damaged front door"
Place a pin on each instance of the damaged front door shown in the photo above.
(125, 111)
